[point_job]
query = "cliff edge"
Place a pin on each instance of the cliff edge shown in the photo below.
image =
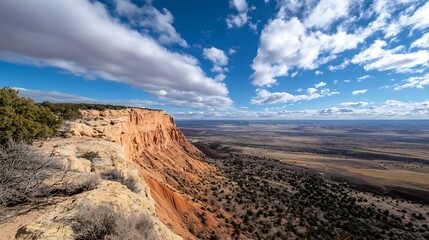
(139, 144)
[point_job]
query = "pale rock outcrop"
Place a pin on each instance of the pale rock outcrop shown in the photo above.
(108, 156)
(105, 156)
(57, 225)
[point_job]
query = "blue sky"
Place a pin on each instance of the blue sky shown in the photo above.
(237, 59)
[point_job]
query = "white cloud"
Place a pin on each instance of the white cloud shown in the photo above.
(217, 69)
(418, 20)
(375, 51)
(318, 72)
(376, 57)
(293, 74)
(354, 104)
(216, 56)
(401, 62)
(310, 91)
(422, 42)
(339, 67)
(285, 44)
(414, 82)
(326, 12)
(305, 35)
(175, 99)
(241, 18)
(360, 79)
(319, 85)
(219, 60)
(265, 97)
(237, 21)
(231, 51)
(357, 92)
(240, 5)
(148, 17)
(82, 44)
(220, 77)
(253, 27)
(394, 16)
(391, 109)
(193, 100)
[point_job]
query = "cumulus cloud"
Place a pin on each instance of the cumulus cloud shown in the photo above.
(219, 60)
(357, 92)
(326, 12)
(216, 56)
(241, 18)
(150, 18)
(414, 82)
(286, 44)
(307, 34)
(354, 104)
(240, 5)
(265, 97)
(377, 58)
(237, 21)
(76, 36)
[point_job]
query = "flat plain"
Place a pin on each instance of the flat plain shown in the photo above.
(392, 155)
(368, 179)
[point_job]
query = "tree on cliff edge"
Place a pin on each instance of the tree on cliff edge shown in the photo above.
(23, 119)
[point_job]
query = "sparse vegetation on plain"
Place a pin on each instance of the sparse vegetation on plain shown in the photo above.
(269, 199)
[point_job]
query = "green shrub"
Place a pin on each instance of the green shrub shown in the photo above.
(70, 111)
(21, 118)
(64, 110)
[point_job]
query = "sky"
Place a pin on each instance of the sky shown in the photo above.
(223, 59)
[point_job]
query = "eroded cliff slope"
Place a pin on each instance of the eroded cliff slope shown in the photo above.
(164, 158)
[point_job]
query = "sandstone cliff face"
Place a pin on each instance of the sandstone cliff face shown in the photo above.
(163, 157)
(146, 135)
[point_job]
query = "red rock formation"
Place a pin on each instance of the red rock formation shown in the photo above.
(164, 157)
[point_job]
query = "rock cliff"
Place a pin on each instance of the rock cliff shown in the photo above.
(156, 151)
(139, 144)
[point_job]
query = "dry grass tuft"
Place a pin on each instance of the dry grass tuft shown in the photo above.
(102, 222)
